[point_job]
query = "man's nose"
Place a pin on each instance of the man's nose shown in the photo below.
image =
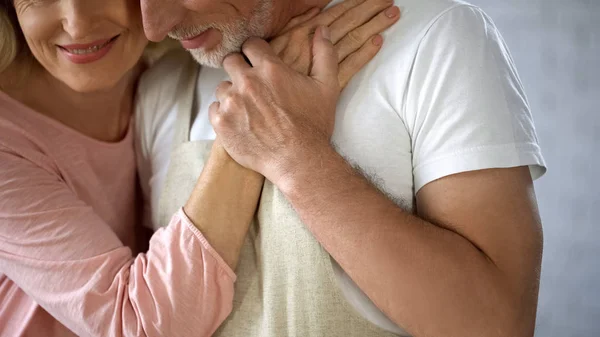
(160, 17)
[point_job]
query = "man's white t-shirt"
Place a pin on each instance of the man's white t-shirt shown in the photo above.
(442, 97)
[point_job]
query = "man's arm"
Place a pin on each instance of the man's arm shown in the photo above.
(468, 267)
(224, 199)
(468, 264)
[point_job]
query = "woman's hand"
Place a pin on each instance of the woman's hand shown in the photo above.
(354, 25)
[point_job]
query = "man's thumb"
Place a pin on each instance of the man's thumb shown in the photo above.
(325, 60)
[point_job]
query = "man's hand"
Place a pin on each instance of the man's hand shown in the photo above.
(270, 111)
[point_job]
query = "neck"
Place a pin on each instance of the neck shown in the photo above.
(285, 10)
(102, 115)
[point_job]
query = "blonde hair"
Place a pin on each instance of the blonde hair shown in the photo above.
(9, 44)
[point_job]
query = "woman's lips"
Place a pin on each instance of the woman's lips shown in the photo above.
(89, 52)
(206, 40)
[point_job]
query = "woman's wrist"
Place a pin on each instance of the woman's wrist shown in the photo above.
(219, 158)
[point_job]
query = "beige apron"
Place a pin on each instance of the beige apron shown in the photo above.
(286, 285)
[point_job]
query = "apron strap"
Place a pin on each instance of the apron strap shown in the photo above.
(186, 105)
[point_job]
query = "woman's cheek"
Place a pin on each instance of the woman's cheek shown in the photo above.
(39, 28)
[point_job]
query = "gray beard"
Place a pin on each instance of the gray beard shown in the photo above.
(234, 35)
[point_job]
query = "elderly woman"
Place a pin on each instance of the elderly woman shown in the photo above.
(68, 72)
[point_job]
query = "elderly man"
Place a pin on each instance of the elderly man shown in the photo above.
(418, 217)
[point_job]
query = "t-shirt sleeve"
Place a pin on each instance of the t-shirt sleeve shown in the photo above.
(466, 108)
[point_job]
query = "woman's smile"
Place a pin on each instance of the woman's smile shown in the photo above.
(88, 53)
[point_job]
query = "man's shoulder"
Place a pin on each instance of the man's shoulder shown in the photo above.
(418, 16)
(159, 89)
(160, 82)
(426, 10)
(448, 22)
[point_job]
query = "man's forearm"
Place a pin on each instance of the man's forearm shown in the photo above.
(224, 202)
(430, 280)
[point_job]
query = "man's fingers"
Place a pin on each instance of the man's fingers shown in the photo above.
(356, 17)
(258, 50)
(214, 116)
(357, 60)
(222, 90)
(325, 64)
(302, 18)
(357, 38)
(234, 64)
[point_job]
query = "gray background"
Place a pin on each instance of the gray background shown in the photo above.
(556, 47)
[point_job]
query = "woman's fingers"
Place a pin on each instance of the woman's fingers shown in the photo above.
(300, 19)
(356, 17)
(284, 44)
(325, 65)
(358, 59)
(352, 23)
(328, 16)
(356, 38)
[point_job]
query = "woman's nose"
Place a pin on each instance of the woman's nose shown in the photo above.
(81, 18)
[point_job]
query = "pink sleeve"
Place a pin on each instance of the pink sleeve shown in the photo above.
(55, 248)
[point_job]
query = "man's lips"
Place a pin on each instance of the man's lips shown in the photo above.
(204, 40)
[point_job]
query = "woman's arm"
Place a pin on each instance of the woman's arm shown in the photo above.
(223, 203)
(67, 259)
(56, 248)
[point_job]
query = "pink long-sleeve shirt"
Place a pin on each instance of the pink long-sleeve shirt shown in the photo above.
(66, 237)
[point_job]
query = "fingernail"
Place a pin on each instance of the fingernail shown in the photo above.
(326, 33)
(377, 40)
(392, 12)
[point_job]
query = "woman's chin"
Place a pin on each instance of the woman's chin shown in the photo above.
(91, 84)
(101, 76)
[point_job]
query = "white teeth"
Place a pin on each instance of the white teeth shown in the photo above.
(89, 50)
